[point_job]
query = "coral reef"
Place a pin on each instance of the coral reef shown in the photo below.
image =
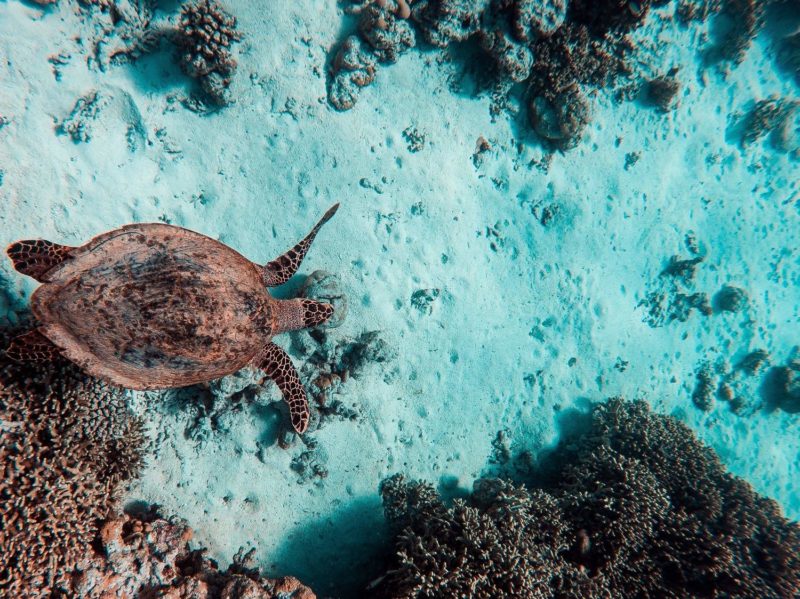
(635, 506)
(746, 19)
(789, 386)
(144, 555)
(67, 443)
(384, 26)
(353, 68)
(703, 394)
(742, 21)
(697, 10)
(556, 49)
(538, 18)
(204, 36)
(445, 21)
(603, 16)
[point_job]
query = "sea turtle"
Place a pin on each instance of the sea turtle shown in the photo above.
(154, 306)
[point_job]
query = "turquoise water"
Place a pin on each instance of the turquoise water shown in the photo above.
(496, 281)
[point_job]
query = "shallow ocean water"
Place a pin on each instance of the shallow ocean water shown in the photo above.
(507, 284)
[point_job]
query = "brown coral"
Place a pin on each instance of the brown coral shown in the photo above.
(205, 35)
(67, 441)
(353, 68)
(636, 506)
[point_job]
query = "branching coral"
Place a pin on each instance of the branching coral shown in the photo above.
(67, 441)
(205, 35)
(145, 555)
(639, 508)
(485, 550)
(662, 92)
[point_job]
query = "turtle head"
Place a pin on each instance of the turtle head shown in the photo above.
(301, 313)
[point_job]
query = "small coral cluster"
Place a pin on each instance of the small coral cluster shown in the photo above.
(556, 48)
(635, 506)
(385, 34)
(773, 117)
(67, 442)
(204, 36)
(670, 300)
(145, 555)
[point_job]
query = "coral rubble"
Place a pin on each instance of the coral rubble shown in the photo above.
(638, 508)
(78, 124)
(668, 301)
(144, 555)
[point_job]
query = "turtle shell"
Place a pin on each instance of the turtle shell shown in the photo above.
(152, 306)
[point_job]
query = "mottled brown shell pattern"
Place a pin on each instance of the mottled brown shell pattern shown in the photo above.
(152, 306)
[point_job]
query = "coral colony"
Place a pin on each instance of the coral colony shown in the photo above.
(627, 502)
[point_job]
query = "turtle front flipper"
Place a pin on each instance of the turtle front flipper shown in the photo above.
(34, 257)
(32, 347)
(277, 365)
(283, 267)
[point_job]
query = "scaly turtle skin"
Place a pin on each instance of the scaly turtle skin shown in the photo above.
(153, 306)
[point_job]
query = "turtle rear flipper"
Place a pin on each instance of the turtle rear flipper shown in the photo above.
(277, 365)
(34, 257)
(299, 313)
(32, 347)
(282, 268)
